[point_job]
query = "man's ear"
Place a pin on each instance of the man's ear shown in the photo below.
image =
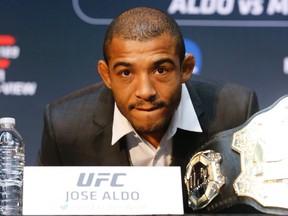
(187, 67)
(104, 73)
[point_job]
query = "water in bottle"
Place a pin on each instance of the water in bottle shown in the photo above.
(12, 160)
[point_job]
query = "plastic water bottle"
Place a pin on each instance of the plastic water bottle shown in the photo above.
(12, 160)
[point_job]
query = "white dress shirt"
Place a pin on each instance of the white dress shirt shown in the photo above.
(142, 153)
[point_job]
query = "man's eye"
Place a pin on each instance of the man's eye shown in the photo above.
(160, 70)
(125, 73)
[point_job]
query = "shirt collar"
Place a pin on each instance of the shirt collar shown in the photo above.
(184, 118)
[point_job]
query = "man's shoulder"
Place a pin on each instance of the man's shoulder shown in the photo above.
(87, 95)
(82, 106)
(210, 88)
(210, 83)
(226, 104)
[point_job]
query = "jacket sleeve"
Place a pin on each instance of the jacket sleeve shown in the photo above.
(49, 152)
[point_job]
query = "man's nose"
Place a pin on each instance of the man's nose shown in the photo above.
(145, 87)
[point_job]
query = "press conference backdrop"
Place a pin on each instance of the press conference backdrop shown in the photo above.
(49, 48)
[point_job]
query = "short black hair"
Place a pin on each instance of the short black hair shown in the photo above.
(144, 23)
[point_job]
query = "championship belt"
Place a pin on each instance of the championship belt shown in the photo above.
(245, 165)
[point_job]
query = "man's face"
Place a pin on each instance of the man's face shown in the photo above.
(145, 78)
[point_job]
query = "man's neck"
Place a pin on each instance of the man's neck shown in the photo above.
(154, 139)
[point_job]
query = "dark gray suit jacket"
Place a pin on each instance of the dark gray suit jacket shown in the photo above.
(78, 127)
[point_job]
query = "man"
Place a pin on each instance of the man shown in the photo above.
(148, 112)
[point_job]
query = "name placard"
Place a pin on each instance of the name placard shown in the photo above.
(102, 190)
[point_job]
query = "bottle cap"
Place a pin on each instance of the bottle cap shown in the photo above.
(7, 120)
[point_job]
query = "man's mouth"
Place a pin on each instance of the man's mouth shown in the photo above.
(148, 107)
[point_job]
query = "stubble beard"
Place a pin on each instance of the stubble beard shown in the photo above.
(156, 126)
(159, 126)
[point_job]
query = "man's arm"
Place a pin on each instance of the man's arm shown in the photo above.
(49, 152)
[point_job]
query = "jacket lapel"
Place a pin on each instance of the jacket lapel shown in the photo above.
(185, 143)
(107, 155)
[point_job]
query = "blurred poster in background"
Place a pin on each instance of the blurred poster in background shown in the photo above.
(50, 48)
